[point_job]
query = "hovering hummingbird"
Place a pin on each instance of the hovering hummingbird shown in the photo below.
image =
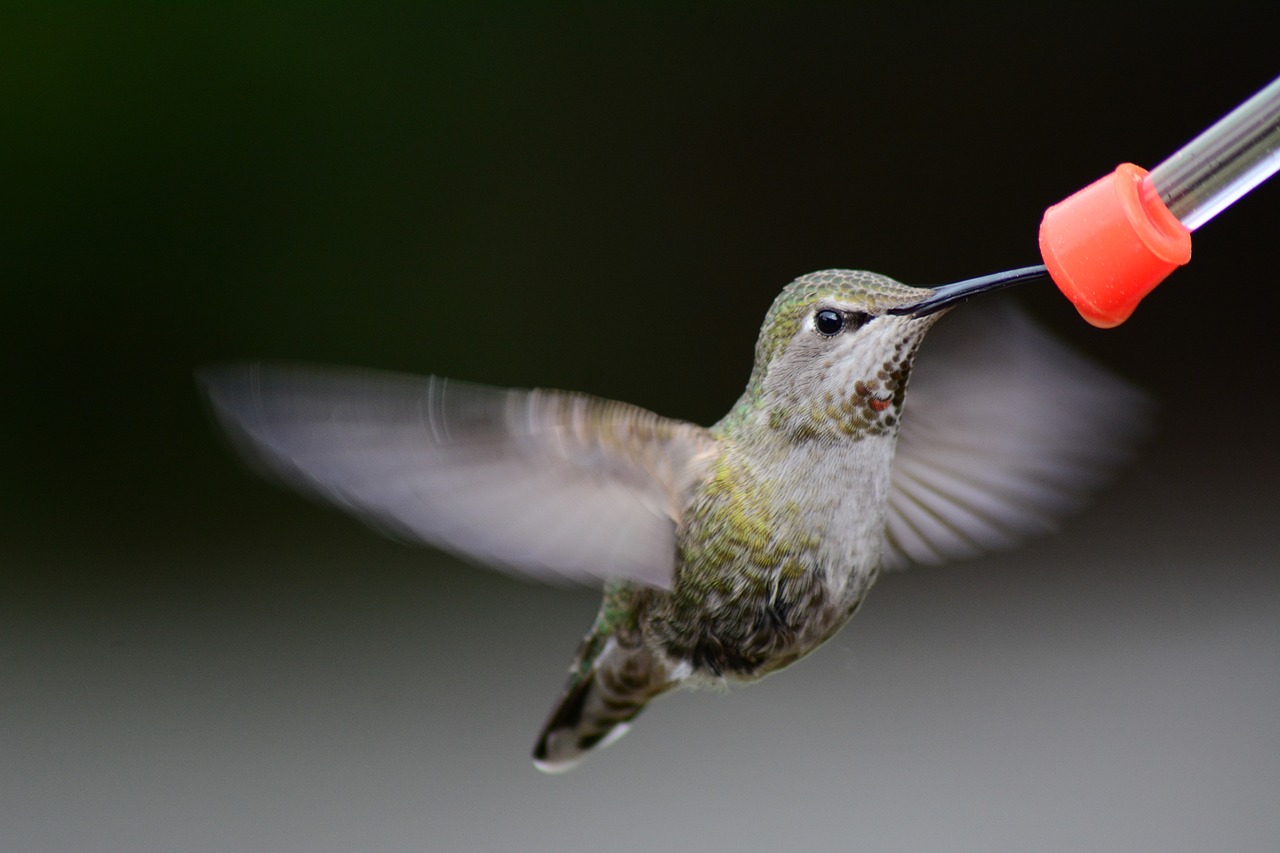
(726, 552)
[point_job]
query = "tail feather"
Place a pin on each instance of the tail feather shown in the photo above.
(598, 703)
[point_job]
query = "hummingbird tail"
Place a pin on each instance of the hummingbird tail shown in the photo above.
(599, 702)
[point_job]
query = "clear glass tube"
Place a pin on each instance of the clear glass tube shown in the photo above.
(1222, 164)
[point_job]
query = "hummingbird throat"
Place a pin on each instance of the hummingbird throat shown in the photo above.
(844, 408)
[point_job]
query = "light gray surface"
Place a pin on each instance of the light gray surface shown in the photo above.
(1115, 688)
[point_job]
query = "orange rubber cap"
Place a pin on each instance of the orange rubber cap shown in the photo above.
(1110, 244)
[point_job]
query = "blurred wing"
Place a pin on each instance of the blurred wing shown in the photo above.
(1004, 430)
(543, 483)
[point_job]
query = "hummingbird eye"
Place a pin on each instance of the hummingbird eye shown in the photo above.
(828, 322)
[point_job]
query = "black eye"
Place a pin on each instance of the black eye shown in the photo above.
(828, 322)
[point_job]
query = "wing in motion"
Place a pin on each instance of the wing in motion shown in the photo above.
(543, 483)
(1003, 431)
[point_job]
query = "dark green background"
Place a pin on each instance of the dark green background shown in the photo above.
(605, 200)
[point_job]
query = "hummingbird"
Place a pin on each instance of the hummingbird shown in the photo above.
(725, 552)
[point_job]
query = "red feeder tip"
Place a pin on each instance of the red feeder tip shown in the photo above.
(1110, 244)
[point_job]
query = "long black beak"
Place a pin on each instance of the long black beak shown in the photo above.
(946, 295)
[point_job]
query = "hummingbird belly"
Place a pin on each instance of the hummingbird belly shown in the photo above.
(749, 624)
(767, 566)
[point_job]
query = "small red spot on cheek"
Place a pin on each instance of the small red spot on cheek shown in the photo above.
(879, 405)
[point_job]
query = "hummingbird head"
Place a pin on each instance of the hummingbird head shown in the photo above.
(836, 350)
(833, 358)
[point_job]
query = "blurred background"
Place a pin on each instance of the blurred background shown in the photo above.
(604, 200)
